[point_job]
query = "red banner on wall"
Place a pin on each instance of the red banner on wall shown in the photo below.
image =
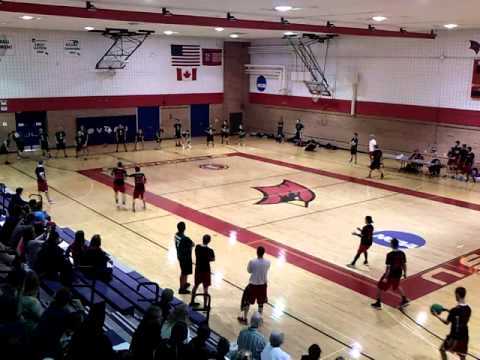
(476, 79)
(212, 57)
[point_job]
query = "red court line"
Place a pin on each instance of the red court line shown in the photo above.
(378, 185)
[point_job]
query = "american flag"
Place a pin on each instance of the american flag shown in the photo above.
(185, 55)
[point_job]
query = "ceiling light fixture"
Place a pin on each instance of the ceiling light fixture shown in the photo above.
(89, 28)
(166, 12)
(26, 17)
(284, 21)
(379, 18)
(170, 32)
(283, 8)
(219, 29)
(230, 16)
(450, 26)
(89, 6)
(234, 36)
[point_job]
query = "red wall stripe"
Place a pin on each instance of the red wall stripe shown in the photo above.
(369, 108)
(108, 102)
(150, 17)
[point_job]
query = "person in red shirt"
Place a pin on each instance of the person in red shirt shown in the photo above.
(119, 174)
(42, 184)
(396, 267)
(366, 240)
(203, 273)
(139, 190)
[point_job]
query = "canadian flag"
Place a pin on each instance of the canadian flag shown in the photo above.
(186, 74)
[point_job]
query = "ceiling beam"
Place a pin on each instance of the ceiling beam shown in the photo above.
(158, 18)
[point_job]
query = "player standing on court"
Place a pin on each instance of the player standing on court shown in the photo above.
(121, 137)
(177, 127)
(396, 267)
(139, 139)
(184, 246)
(139, 189)
(203, 273)
(376, 162)
(186, 140)
(241, 135)
(354, 148)
(371, 145)
(119, 174)
(458, 317)
(81, 141)
(4, 149)
(257, 285)
(366, 240)
(60, 142)
(44, 146)
(280, 134)
(225, 133)
(19, 143)
(210, 135)
(42, 184)
(299, 132)
(158, 137)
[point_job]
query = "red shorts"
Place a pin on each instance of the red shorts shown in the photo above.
(257, 293)
(119, 188)
(455, 346)
(138, 192)
(42, 186)
(362, 248)
(204, 278)
(388, 283)
(467, 169)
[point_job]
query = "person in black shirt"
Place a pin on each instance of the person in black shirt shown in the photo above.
(4, 149)
(210, 136)
(44, 146)
(376, 163)
(366, 240)
(225, 133)
(139, 139)
(468, 164)
(158, 138)
(60, 136)
(184, 246)
(177, 127)
(396, 267)
(186, 139)
(204, 256)
(354, 148)
(458, 317)
(453, 157)
(81, 141)
(197, 348)
(241, 135)
(97, 260)
(298, 131)
(19, 143)
(280, 133)
(121, 137)
(314, 353)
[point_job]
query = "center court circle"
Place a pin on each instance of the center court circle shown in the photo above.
(406, 240)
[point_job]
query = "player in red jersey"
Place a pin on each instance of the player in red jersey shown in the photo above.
(396, 267)
(119, 174)
(42, 184)
(139, 190)
(458, 317)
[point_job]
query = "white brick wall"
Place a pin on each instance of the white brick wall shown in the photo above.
(24, 74)
(404, 71)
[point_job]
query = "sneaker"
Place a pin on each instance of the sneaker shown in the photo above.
(377, 305)
(405, 302)
(184, 291)
(187, 285)
(351, 266)
(365, 263)
(242, 320)
(381, 176)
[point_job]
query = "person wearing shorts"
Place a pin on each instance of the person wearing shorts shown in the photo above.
(184, 246)
(44, 146)
(354, 148)
(225, 133)
(468, 165)
(19, 143)
(256, 290)
(366, 240)
(4, 149)
(280, 134)
(241, 135)
(396, 263)
(458, 317)
(376, 162)
(204, 255)
(81, 141)
(139, 189)
(121, 137)
(42, 184)
(60, 136)
(177, 127)
(119, 174)
(139, 139)
(210, 136)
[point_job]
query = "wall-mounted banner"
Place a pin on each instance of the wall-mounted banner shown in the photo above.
(212, 57)
(475, 87)
(261, 83)
(3, 105)
(6, 45)
(40, 47)
(72, 47)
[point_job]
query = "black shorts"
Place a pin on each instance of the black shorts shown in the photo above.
(20, 146)
(61, 146)
(353, 150)
(186, 266)
(44, 145)
(375, 165)
(178, 135)
(3, 150)
(79, 147)
(209, 138)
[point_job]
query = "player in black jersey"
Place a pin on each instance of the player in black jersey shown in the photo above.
(44, 146)
(376, 162)
(457, 340)
(81, 142)
(158, 138)
(177, 127)
(19, 143)
(121, 137)
(139, 139)
(139, 189)
(186, 139)
(241, 135)
(60, 136)
(298, 132)
(210, 136)
(280, 134)
(354, 148)
(225, 133)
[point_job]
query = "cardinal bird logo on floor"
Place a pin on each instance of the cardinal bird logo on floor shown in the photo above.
(286, 192)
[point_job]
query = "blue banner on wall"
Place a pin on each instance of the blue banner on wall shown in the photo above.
(101, 130)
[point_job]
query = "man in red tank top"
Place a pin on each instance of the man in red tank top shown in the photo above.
(139, 190)
(119, 174)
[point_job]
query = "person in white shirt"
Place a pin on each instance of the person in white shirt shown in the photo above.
(256, 291)
(371, 145)
(273, 351)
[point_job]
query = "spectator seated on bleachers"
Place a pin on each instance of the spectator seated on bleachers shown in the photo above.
(78, 249)
(314, 353)
(251, 339)
(33, 247)
(90, 342)
(24, 225)
(174, 348)
(179, 314)
(97, 260)
(165, 302)
(147, 335)
(51, 261)
(30, 308)
(197, 347)
(16, 200)
(11, 221)
(273, 350)
(223, 349)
